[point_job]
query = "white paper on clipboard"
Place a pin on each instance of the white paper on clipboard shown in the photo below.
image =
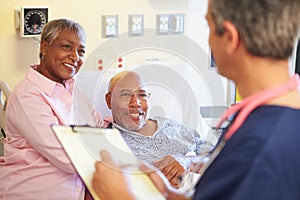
(83, 144)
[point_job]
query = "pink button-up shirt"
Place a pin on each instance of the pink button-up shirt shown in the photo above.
(34, 165)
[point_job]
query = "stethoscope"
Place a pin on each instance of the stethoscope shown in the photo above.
(242, 111)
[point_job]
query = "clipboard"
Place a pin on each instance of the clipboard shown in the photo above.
(83, 143)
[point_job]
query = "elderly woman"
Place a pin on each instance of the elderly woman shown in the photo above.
(34, 165)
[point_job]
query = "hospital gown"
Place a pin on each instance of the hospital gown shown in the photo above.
(171, 138)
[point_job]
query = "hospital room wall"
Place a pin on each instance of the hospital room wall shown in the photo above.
(18, 53)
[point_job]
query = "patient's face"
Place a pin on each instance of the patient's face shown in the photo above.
(129, 103)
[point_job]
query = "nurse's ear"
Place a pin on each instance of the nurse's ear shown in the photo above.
(231, 35)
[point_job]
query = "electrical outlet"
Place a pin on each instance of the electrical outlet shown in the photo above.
(163, 23)
(178, 23)
(109, 26)
(136, 25)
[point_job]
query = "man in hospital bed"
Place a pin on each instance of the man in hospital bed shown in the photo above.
(166, 143)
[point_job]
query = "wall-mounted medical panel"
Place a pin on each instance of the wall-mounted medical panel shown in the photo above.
(109, 26)
(30, 20)
(136, 25)
(163, 23)
(169, 24)
(177, 23)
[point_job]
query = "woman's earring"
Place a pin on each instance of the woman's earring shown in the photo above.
(42, 57)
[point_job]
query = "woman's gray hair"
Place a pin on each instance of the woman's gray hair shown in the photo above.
(268, 28)
(52, 29)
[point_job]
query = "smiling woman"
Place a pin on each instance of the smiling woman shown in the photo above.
(62, 54)
(45, 96)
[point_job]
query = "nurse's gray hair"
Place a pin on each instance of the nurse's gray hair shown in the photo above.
(52, 29)
(268, 28)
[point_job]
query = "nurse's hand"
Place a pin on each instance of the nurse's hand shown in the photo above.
(163, 184)
(171, 168)
(108, 181)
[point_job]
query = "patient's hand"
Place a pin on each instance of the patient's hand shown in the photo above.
(171, 168)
